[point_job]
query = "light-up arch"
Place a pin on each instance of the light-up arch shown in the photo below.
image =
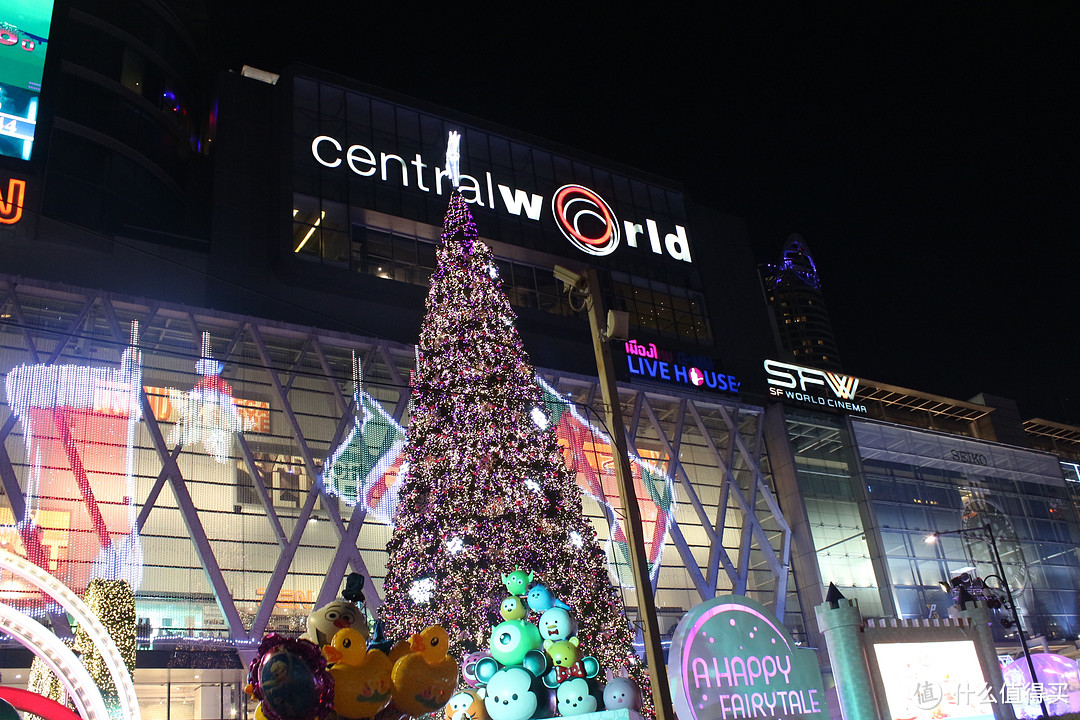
(99, 636)
(57, 657)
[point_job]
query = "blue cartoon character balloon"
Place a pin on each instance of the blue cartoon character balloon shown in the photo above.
(517, 582)
(511, 640)
(556, 624)
(509, 695)
(541, 599)
(574, 698)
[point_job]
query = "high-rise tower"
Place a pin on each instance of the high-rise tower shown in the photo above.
(793, 289)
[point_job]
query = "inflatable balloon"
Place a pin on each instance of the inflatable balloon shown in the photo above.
(510, 640)
(620, 693)
(541, 599)
(513, 608)
(323, 624)
(362, 681)
(517, 582)
(575, 698)
(290, 679)
(425, 678)
(469, 667)
(556, 624)
(509, 695)
(466, 705)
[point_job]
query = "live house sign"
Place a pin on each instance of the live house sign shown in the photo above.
(647, 362)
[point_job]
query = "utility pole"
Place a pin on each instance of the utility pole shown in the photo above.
(601, 335)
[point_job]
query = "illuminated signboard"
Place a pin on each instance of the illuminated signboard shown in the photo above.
(24, 38)
(12, 201)
(810, 386)
(933, 680)
(647, 362)
(730, 658)
(624, 215)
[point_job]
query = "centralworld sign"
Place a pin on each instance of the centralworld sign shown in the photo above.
(730, 658)
(581, 215)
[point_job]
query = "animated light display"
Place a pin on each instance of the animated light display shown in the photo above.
(480, 469)
(79, 429)
(59, 659)
(208, 413)
(358, 470)
(588, 450)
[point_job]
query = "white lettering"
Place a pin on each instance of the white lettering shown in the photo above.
(519, 200)
(315, 150)
(677, 245)
(469, 184)
(404, 170)
(633, 229)
(654, 236)
(365, 156)
(418, 163)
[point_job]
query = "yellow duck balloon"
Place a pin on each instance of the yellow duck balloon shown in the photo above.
(425, 678)
(362, 684)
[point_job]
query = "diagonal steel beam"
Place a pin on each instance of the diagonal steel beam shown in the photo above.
(222, 595)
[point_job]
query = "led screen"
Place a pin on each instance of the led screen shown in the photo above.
(24, 40)
(934, 680)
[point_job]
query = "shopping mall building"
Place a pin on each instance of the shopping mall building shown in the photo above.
(162, 243)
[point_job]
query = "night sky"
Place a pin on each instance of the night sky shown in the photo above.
(928, 154)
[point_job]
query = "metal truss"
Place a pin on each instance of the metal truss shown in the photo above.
(729, 533)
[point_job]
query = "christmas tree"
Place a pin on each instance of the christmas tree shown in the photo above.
(487, 491)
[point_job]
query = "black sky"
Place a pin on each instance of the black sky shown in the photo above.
(927, 153)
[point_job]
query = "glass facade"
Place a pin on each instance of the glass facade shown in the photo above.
(241, 538)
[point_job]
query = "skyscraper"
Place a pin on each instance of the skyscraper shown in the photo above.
(801, 319)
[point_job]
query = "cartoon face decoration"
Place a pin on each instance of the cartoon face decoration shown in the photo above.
(512, 608)
(620, 693)
(465, 705)
(517, 582)
(556, 624)
(511, 640)
(469, 668)
(508, 695)
(563, 653)
(323, 624)
(574, 697)
(541, 599)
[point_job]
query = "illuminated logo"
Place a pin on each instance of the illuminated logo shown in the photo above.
(11, 204)
(794, 382)
(586, 220)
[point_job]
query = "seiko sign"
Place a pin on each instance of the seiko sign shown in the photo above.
(583, 217)
(813, 386)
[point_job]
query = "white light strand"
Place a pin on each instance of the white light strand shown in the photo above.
(453, 158)
(99, 636)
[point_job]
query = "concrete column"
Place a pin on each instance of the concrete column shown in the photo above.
(842, 627)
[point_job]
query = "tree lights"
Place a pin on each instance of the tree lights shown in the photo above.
(487, 490)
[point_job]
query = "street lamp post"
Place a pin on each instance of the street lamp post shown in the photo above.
(1008, 594)
(603, 329)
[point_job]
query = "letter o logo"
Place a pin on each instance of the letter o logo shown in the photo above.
(586, 220)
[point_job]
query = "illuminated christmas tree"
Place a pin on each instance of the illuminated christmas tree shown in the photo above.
(486, 490)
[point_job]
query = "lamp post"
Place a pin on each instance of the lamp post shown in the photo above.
(1008, 594)
(606, 328)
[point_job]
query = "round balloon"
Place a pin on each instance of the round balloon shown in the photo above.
(290, 678)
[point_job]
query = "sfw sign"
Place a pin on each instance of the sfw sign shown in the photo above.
(730, 658)
(584, 218)
(646, 361)
(813, 386)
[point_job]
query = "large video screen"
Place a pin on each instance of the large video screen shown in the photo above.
(24, 40)
(934, 680)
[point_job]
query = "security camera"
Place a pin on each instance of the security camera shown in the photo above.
(568, 277)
